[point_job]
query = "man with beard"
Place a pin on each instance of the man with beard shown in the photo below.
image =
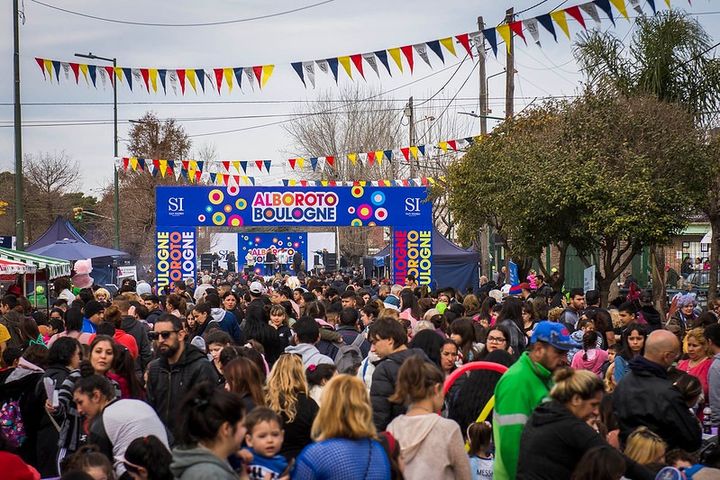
(178, 368)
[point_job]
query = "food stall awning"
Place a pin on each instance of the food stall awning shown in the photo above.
(55, 267)
(10, 267)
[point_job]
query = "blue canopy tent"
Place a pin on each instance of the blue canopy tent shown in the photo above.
(60, 230)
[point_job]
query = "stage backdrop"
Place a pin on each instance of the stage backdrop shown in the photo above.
(260, 243)
(405, 209)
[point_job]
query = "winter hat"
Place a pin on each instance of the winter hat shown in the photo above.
(143, 288)
(93, 307)
(82, 278)
(496, 294)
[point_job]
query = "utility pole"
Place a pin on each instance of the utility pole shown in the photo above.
(510, 69)
(411, 121)
(19, 206)
(483, 80)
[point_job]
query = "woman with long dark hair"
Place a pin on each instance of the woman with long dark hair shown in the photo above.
(409, 307)
(243, 377)
(147, 458)
(259, 329)
(632, 344)
(511, 318)
(462, 332)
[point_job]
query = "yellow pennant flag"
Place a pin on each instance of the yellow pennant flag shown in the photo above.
(119, 73)
(228, 74)
(163, 168)
(443, 146)
(560, 19)
(668, 3)
(267, 71)
(363, 183)
(449, 45)
(190, 75)
(49, 67)
(352, 157)
(324, 183)
(431, 180)
(620, 5)
(345, 62)
(84, 70)
(245, 180)
(504, 31)
(192, 164)
(395, 54)
(379, 156)
(219, 179)
(133, 163)
(236, 164)
(153, 78)
(301, 162)
(415, 152)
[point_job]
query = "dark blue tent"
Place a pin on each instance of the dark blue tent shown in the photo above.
(60, 230)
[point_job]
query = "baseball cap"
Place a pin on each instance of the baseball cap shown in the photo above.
(555, 334)
(257, 288)
(93, 307)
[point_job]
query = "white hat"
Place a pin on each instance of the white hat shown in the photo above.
(257, 288)
(143, 287)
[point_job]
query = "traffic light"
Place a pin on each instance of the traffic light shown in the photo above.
(78, 213)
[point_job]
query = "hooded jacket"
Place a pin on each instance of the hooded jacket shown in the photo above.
(167, 384)
(199, 463)
(594, 362)
(226, 322)
(310, 354)
(431, 447)
(645, 397)
(131, 326)
(553, 442)
(384, 379)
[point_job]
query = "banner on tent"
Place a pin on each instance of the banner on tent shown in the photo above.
(175, 254)
(412, 255)
(292, 206)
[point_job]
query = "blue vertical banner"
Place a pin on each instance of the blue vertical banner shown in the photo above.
(412, 255)
(514, 275)
(175, 255)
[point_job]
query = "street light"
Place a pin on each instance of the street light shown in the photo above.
(116, 180)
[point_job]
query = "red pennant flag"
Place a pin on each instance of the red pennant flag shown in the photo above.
(237, 179)
(126, 161)
(371, 158)
(292, 162)
(424, 181)
(198, 174)
(181, 79)
(406, 153)
(332, 183)
(156, 164)
(258, 74)
(408, 52)
(465, 42)
(259, 163)
(226, 164)
(356, 183)
(330, 161)
(41, 62)
(357, 60)
(76, 70)
(145, 77)
(575, 13)
(453, 144)
(185, 164)
(406, 183)
(303, 183)
(111, 73)
(218, 78)
(517, 28)
(225, 179)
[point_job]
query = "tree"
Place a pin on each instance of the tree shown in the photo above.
(668, 58)
(150, 138)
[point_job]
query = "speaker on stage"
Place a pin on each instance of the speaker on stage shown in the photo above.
(330, 262)
(206, 260)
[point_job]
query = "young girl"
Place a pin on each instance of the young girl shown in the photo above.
(317, 377)
(590, 357)
(481, 460)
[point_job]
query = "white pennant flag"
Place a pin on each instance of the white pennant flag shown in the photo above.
(309, 69)
(531, 25)
(137, 76)
(323, 66)
(421, 50)
(477, 39)
(370, 59)
(172, 80)
(250, 76)
(177, 170)
(102, 74)
(66, 68)
(636, 5)
(149, 166)
(591, 10)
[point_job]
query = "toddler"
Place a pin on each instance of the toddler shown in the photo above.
(264, 439)
(481, 460)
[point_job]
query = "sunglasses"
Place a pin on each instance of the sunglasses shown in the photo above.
(165, 335)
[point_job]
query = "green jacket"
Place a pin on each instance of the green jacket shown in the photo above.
(518, 392)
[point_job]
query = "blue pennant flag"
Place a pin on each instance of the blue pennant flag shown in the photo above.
(333, 62)
(298, 67)
(238, 71)
(388, 154)
(56, 66)
(183, 173)
(422, 149)
(605, 6)
(382, 56)
(141, 163)
(128, 76)
(314, 162)
(252, 180)
(243, 165)
(470, 140)
(93, 73)
(200, 74)
(267, 165)
(161, 73)
(490, 36)
(213, 177)
(171, 165)
(652, 5)
(286, 182)
(435, 47)
(546, 21)
(200, 165)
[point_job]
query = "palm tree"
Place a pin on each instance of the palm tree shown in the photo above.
(668, 57)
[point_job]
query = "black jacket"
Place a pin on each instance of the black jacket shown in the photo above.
(651, 316)
(153, 316)
(553, 442)
(383, 386)
(167, 384)
(48, 435)
(140, 333)
(645, 397)
(297, 432)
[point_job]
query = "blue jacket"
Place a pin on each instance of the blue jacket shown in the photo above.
(261, 466)
(88, 326)
(226, 322)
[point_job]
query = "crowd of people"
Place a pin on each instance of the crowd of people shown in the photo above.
(340, 377)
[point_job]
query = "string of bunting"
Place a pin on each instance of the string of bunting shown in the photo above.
(191, 171)
(403, 58)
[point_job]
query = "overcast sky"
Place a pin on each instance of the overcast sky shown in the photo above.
(340, 27)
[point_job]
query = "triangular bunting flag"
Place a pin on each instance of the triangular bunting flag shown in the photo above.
(119, 74)
(298, 67)
(141, 163)
(268, 163)
(388, 154)
(406, 152)
(345, 62)
(546, 21)
(324, 183)
(285, 182)
(370, 59)
(652, 5)
(226, 165)
(357, 61)
(292, 162)
(201, 165)
(41, 64)
(153, 73)
(243, 165)
(517, 28)
(464, 40)
(238, 72)
(191, 78)
(162, 74)
(443, 146)
(200, 75)
(407, 50)
(259, 164)
(395, 54)
(435, 47)
(379, 156)
(422, 149)
(561, 20)
(257, 71)
(382, 56)
(309, 68)
(76, 71)
(267, 71)
(85, 71)
(333, 63)
(590, 9)
(421, 50)
(301, 162)
(126, 162)
(146, 78)
(371, 158)
(452, 144)
(489, 34)
(620, 5)
(415, 151)
(604, 5)
(92, 71)
(352, 157)
(49, 68)
(313, 163)
(504, 31)
(236, 165)
(323, 66)
(449, 45)
(181, 74)
(478, 41)
(575, 13)
(330, 161)
(250, 76)
(133, 163)
(292, 182)
(110, 73)
(531, 25)
(229, 74)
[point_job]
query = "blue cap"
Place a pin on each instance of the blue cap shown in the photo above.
(555, 334)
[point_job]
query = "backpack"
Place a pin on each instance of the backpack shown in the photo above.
(11, 423)
(349, 357)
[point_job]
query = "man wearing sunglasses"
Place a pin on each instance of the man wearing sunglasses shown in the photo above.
(178, 368)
